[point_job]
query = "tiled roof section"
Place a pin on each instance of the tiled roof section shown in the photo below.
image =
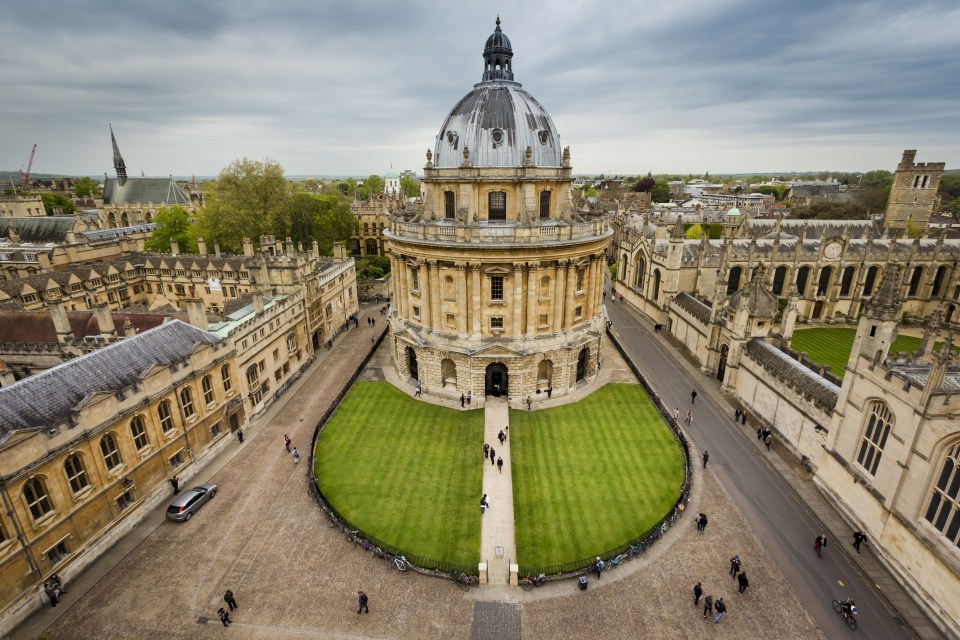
(109, 234)
(815, 228)
(34, 327)
(917, 376)
(49, 398)
(696, 308)
(808, 383)
(39, 229)
(143, 191)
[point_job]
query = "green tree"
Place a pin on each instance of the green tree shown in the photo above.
(695, 232)
(248, 199)
(949, 188)
(51, 200)
(172, 224)
(324, 217)
(776, 191)
(86, 187)
(660, 191)
(409, 186)
(374, 186)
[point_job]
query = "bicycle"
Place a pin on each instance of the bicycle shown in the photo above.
(616, 560)
(400, 563)
(636, 550)
(530, 582)
(849, 616)
(465, 581)
(353, 536)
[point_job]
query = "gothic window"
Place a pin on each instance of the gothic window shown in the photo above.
(802, 275)
(496, 287)
(938, 281)
(544, 204)
(111, 454)
(76, 475)
(656, 284)
(449, 205)
(35, 495)
(871, 280)
(497, 205)
(138, 430)
(846, 281)
(823, 284)
(733, 280)
(641, 267)
(779, 277)
(915, 281)
(944, 510)
(166, 418)
(206, 385)
(186, 401)
(225, 376)
(879, 421)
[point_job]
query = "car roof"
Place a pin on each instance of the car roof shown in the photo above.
(185, 496)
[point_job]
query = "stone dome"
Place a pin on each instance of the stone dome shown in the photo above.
(733, 212)
(498, 120)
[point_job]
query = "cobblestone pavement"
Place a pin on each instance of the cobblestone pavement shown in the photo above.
(293, 576)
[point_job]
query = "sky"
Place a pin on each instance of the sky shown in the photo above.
(353, 88)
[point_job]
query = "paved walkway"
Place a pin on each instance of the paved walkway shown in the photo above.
(498, 546)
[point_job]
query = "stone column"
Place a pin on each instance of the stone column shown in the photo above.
(476, 301)
(517, 300)
(434, 294)
(558, 295)
(399, 291)
(590, 287)
(424, 288)
(571, 296)
(598, 283)
(532, 284)
(462, 299)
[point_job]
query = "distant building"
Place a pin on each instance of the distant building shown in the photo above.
(913, 195)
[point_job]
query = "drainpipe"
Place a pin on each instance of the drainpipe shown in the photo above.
(20, 538)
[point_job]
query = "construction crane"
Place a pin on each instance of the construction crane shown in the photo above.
(25, 175)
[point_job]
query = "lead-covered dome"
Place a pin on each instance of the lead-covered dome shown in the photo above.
(498, 120)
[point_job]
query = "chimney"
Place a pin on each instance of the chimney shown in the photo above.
(196, 313)
(128, 329)
(288, 247)
(258, 300)
(174, 247)
(105, 320)
(60, 321)
(339, 252)
(216, 248)
(247, 248)
(201, 246)
(316, 249)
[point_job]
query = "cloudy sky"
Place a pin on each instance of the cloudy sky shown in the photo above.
(352, 87)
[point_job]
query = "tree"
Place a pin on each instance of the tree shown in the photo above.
(695, 232)
(949, 187)
(324, 217)
(831, 211)
(410, 186)
(86, 187)
(660, 191)
(776, 191)
(644, 185)
(51, 200)
(249, 198)
(374, 186)
(172, 224)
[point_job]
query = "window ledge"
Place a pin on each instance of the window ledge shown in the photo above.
(83, 493)
(45, 520)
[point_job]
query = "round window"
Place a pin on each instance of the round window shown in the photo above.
(544, 136)
(497, 137)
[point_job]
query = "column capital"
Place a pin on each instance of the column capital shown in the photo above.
(475, 267)
(433, 264)
(533, 266)
(518, 267)
(460, 266)
(562, 264)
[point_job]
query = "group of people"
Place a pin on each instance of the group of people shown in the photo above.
(701, 520)
(717, 607)
(466, 399)
(287, 442)
(489, 453)
(765, 436)
(222, 613)
(53, 587)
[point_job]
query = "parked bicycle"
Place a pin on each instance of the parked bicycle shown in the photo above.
(636, 550)
(616, 560)
(530, 582)
(848, 610)
(400, 563)
(465, 581)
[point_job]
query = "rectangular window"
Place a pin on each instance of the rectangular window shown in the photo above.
(496, 287)
(451, 320)
(125, 499)
(578, 313)
(58, 552)
(543, 320)
(176, 460)
(415, 279)
(276, 354)
(496, 322)
(544, 204)
(416, 312)
(449, 205)
(215, 430)
(497, 206)
(580, 273)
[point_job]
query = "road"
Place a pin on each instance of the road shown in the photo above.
(768, 503)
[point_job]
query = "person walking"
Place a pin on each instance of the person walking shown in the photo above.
(175, 483)
(707, 606)
(501, 437)
(693, 397)
(486, 450)
(703, 523)
(469, 397)
(689, 417)
(529, 404)
(500, 464)
(721, 608)
(286, 442)
(224, 616)
(463, 399)
(676, 414)
(859, 537)
(759, 433)
(373, 341)
(53, 593)
(820, 543)
(743, 582)
(768, 441)
(736, 415)
(549, 391)
(493, 457)
(240, 435)
(230, 600)
(417, 393)
(362, 601)
(598, 567)
(743, 418)
(296, 456)
(697, 593)
(706, 456)
(735, 566)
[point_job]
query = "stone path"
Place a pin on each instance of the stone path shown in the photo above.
(498, 547)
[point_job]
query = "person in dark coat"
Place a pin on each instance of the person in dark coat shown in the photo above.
(743, 582)
(707, 606)
(493, 457)
(500, 464)
(230, 600)
(706, 456)
(859, 537)
(734, 566)
(697, 593)
(693, 397)
(224, 616)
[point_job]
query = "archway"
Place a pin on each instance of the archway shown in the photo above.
(817, 309)
(582, 365)
(412, 363)
(448, 372)
(496, 380)
(722, 365)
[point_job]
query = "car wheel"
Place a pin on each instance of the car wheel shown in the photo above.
(187, 517)
(213, 494)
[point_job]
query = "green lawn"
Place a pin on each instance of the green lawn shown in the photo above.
(590, 476)
(405, 471)
(832, 345)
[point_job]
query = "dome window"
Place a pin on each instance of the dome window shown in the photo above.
(497, 137)
(452, 139)
(544, 136)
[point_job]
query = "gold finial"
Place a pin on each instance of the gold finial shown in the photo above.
(498, 21)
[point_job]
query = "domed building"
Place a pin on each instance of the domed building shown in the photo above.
(497, 278)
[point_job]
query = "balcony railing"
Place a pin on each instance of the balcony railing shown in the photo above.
(494, 233)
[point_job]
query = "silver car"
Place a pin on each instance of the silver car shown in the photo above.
(184, 505)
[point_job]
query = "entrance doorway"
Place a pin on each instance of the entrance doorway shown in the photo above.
(412, 363)
(496, 380)
(817, 309)
(722, 366)
(582, 365)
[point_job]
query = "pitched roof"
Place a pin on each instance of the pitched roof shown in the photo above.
(39, 229)
(50, 397)
(36, 327)
(143, 191)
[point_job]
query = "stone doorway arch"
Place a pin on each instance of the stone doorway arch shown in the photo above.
(412, 364)
(582, 364)
(496, 380)
(722, 365)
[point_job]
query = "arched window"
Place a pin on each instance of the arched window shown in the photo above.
(823, 284)
(879, 421)
(497, 205)
(166, 418)
(779, 277)
(371, 246)
(544, 205)
(938, 281)
(545, 287)
(871, 281)
(76, 475)
(206, 385)
(449, 288)
(35, 495)
(656, 284)
(622, 268)
(641, 267)
(449, 205)
(544, 372)
(803, 274)
(225, 376)
(111, 454)
(847, 281)
(448, 371)
(915, 281)
(186, 401)
(138, 429)
(733, 280)
(944, 510)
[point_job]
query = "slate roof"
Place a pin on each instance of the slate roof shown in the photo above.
(823, 392)
(50, 397)
(36, 327)
(39, 229)
(143, 191)
(693, 306)
(917, 376)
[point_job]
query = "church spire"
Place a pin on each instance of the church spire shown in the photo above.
(118, 163)
(498, 56)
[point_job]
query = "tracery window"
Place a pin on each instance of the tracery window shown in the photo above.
(879, 421)
(733, 280)
(35, 495)
(944, 510)
(846, 281)
(871, 280)
(111, 454)
(76, 474)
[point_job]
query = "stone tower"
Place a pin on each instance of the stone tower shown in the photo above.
(913, 196)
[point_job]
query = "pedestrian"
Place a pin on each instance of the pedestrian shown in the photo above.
(57, 584)
(417, 394)
(486, 450)
(693, 396)
(296, 456)
(703, 522)
(373, 322)
(859, 537)
(743, 582)
(598, 567)
(529, 404)
(224, 616)
(506, 433)
(676, 414)
(706, 456)
(500, 464)
(51, 592)
(493, 460)
(759, 433)
(696, 519)
(501, 437)
(469, 397)
(240, 435)
(362, 600)
(707, 606)
(230, 600)
(689, 417)
(768, 441)
(484, 502)
(549, 391)
(743, 418)
(463, 399)
(820, 543)
(175, 483)
(721, 609)
(697, 593)
(286, 442)
(734, 566)
(736, 415)
(373, 341)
